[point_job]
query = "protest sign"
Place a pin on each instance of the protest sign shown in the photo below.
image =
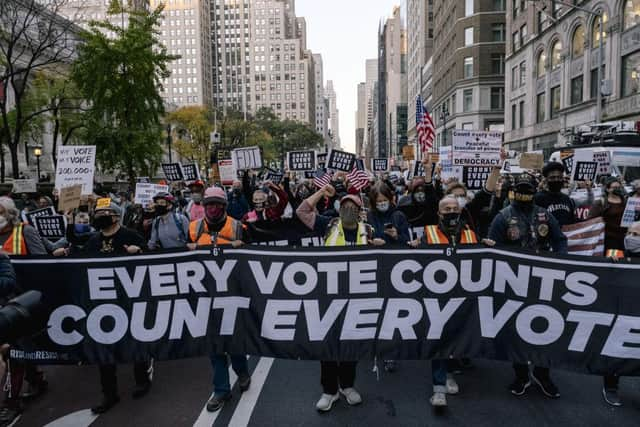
(408, 152)
(143, 179)
(145, 192)
(69, 198)
(24, 186)
(274, 176)
(103, 203)
(300, 161)
(585, 171)
(340, 160)
(191, 172)
(566, 157)
(603, 158)
(30, 216)
(227, 173)
(322, 160)
(447, 170)
(424, 303)
(379, 165)
(532, 161)
(50, 227)
(173, 171)
(474, 177)
(76, 165)
(631, 212)
(247, 158)
(309, 174)
(476, 148)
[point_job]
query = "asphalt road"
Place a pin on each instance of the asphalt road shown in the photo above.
(284, 393)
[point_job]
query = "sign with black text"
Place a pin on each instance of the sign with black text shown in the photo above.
(476, 148)
(474, 177)
(322, 160)
(247, 158)
(173, 171)
(50, 227)
(191, 172)
(24, 186)
(76, 165)
(585, 171)
(300, 161)
(379, 165)
(30, 216)
(340, 160)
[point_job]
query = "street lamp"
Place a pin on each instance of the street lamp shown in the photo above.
(37, 151)
(444, 114)
(169, 140)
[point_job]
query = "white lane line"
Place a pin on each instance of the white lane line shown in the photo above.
(82, 418)
(206, 418)
(249, 398)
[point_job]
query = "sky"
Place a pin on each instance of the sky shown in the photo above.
(345, 33)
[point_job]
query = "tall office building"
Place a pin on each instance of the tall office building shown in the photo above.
(420, 48)
(334, 115)
(361, 118)
(468, 66)
(371, 77)
(322, 122)
(81, 12)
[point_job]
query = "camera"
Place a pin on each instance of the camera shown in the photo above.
(22, 316)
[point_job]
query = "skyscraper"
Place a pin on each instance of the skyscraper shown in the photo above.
(334, 119)
(371, 74)
(361, 118)
(322, 123)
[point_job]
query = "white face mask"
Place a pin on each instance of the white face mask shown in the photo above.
(383, 206)
(3, 222)
(462, 201)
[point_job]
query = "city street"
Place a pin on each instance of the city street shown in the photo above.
(284, 392)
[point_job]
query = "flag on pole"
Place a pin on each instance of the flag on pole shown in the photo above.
(424, 126)
(322, 178)
(358, 177)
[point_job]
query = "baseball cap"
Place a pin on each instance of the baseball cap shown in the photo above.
(352, 198)
(214, 195)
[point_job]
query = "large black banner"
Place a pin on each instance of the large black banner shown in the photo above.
(341, 304)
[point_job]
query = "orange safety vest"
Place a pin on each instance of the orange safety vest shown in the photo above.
(615, 253)
(15, 244)
(199, 232)
(435, 236)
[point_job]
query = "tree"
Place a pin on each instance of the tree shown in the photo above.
(120, 77)
(194, 127)
(33, 39)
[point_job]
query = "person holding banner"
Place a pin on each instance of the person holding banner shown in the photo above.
(523, 224)
(611, 208)
(170, 228)
(337, 377)
(238, 205)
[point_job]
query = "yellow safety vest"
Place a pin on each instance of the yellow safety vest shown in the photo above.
(336, 235)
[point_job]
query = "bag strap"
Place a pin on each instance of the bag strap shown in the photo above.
(179, 223)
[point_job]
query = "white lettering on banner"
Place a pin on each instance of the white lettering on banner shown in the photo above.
(624, 332)
(230, 307)
(317, 326)
(183, 315)
(439, 317)
(354, 318)
(274, 321)
(555, 324)
(393, 322)
(160, 324)
(587, 321)
(76, 165)
(491, 323)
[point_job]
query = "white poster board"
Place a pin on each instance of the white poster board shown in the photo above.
(227, 172)
(247, 158)
(24, 186)
(145, 192)
(447, 170)
(76, 165)
(476, 148)
(631, 211)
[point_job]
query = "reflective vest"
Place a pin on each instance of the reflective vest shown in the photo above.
(199, 232)
(435, 236)
(335, 237)
(15, 244)
(615, 253)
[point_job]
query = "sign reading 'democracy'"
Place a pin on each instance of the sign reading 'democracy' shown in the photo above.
(476, 148)
(340, 160)
(145, 192)
(247, 158)
(339, 304)
(379, 165)
(50, 227)
(300, 161)
(76, 165)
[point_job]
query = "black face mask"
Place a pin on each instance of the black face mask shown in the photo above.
(161, 210)
(451, 220)
(102, 222)
(555, 186)
(620, 192)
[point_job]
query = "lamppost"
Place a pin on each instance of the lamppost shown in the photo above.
(444, 114)
(37, 151)
(169, 140)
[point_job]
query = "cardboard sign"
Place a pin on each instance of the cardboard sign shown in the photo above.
(340, 160)
(300, 161)
(322, 160)
(603, 158)
(24, 186)
(173, 171)
(191, 172)
(145, 192)
(30, 216)
(379, 165)
(247, 158)
(103, 203)
(631, 212)
(585, 171)
(476, 148)
(408, 153)
(532, 161)
(69, 198)
(76, 165)
(50, 227)
(474, 177)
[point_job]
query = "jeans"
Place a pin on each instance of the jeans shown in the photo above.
(439, 369)
(220, 365)
(334, 375)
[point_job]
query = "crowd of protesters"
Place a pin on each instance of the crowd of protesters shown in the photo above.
(523, 211)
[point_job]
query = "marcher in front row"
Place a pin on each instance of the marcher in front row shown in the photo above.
(218, 228)
(337, 377)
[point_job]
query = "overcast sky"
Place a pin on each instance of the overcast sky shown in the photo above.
(345, 33)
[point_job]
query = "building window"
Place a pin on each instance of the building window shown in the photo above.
(541, 64)
(497, 63)
(467, 97)
(498, 32)
(497, 98)
(631, 13)
(522, 124)
(555, 102)
(468, 36)
(595, 33)
(577, 84)
(556, 55)
(514, 78)
(540, 107)
(468, 7)
(514, 117)
(542, 21)
(515, 4)
(498, 5)
(468, 67)
(523, 73)
(515, 41)
(577, 42)
(631, 74)
(523, 35)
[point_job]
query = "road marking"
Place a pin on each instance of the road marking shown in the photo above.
(249, 398)
(82, 418)
(206, 418)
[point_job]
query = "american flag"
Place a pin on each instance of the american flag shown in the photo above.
(322, 178)
(424, 126)
(585, 238)
(358, 177)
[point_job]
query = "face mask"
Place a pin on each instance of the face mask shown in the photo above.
(555, 186)
(197, 198)
(565, 191)
(349, 215)
(462, 201)
(619, 192)
(214, 213)
(237, 191)
(102, 222)
(81, 228)
(383, 206)
(259, 206)
(420, 197)
(451, 220)
(161, 210)
(3, 222)
(632, 244)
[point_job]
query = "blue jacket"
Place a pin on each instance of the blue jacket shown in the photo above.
(237, 206)
(393, 216)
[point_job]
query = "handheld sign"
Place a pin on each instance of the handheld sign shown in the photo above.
(379, 165)
(31, 216)
(474, 177)
(603, 158)
(585, 171)
(145, 192)
(191, 172)
(309, 174)
(24, 186)
(103, 203)
(340, 160)
(76, 165)
(301, 161)
(247, 158)
(531, 161)
(50, 227)
(322, 160)
(476, 148)
(631, 212)
(70, 198)
(173, 171)
(143, 179)
(275, 177)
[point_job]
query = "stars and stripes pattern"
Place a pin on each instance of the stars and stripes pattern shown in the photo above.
(358, 177)
(424, 126)
(322, 178)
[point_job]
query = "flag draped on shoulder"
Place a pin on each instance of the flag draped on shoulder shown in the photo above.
(585, 238)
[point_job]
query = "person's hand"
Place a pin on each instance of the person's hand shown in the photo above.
(414, 243)
(192, 246)
(329, 190)
(132, 249)
(237, 244)
(391, 232)
(60, 252)
(489, 242)
(378, 242)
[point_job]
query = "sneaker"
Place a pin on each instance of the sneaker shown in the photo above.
(9, 415)
(352, 396)
(611, 396)
(141, 390)
(438, 400)
(452, 385)
(107, 403)
(35, 389)
(326, 402)
(217, 401)
(546, 385)
(244, 381)
(519, 387)
(390, 366)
